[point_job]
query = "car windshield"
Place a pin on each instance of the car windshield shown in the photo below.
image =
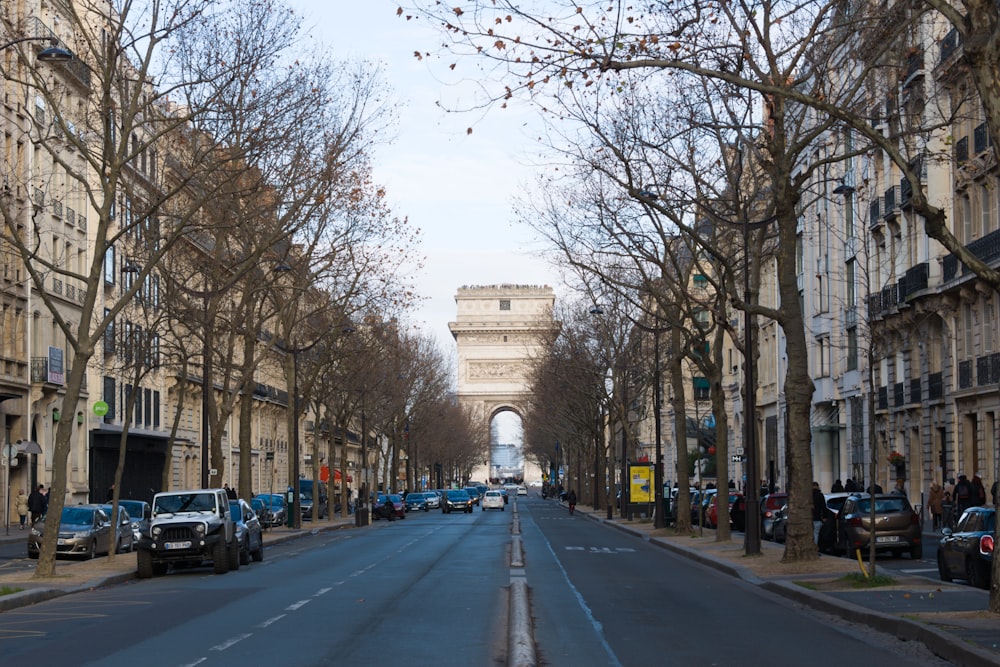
(458, 495)
(836, 503)
(77, 516)
(395, 498)
(273, 501)
(133, 507)
(236, 510)
(883, 505)
(414, 497)
(185, 502)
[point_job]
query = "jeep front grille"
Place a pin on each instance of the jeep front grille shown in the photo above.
(171, 533)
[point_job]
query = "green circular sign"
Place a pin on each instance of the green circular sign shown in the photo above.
(100, 408)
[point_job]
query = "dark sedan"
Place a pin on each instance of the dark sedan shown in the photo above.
(277, 513)
(967, 552)
(248, 531)
(417, 501)
(140, 512)
(456, 500)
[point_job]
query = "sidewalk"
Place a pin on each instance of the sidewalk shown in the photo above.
(950, 619)
(75, 575)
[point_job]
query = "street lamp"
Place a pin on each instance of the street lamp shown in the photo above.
(51, 54)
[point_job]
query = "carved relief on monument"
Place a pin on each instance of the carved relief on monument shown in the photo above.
(488, 370)
(498, 338)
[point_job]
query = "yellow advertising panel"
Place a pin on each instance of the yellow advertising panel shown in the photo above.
(640, 483)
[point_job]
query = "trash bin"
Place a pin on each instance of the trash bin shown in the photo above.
(666, 510)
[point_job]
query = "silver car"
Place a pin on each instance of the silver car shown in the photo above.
(84, 530)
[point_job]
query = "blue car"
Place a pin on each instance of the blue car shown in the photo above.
(967, 552)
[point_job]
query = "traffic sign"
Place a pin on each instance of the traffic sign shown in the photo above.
(738, 458)
(100, 408)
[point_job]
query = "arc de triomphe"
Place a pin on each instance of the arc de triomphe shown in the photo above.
(499, 331)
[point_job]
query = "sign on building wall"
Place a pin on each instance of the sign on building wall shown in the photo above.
(57, 371)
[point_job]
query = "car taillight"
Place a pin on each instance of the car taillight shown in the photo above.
(914, 518)
(854, 521)
(986, 545)
(768, 514)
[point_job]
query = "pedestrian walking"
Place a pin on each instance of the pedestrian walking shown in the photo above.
(571, 500)
(21, 506)
(935, 501)
(947, 511)
(963, 494)
(978, 491)
(37, 502)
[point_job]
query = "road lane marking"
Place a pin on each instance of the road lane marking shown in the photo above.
(602, 550)
(229, 642)
(298, 605)
(322, 591)
(273, 619)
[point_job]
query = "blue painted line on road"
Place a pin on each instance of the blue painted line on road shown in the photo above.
(583, 605)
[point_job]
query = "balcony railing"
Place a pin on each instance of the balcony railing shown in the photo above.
(986, 249)
(891, 199)
(914, 280)
(949, 44)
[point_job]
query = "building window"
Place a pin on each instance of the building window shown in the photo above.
(701, 389)
(852, 349)
(504, 304)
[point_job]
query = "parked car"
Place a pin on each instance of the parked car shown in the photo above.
(389, 506)
(828, 531)
(456, 500)
(779, 524)
(769, 505)
(139, 511)
(897, 526)
(84, 530)
(417, 501)
(493, 500)
(277, 508)
(260, 508)
(737, 511)
(249, 534)
(307, 498)
(125, 538)
(967, 552)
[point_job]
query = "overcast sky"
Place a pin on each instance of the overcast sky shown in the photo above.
(458, 188)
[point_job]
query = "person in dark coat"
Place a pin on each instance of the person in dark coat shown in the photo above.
(571, 500)
(37, 503)
(819, 510)
(962, 495)
(837, 487)
(978, 491)
(850, 486)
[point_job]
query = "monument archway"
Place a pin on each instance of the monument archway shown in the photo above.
(499, 331)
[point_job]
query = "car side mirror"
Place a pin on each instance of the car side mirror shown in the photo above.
(947, 532)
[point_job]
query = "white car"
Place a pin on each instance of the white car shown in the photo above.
(521, 491)
(493, 500)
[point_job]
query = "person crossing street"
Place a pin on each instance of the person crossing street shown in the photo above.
(571, 500)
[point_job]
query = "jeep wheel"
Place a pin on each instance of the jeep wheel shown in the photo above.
(234, 556)
(144, 563)
(245, 552)
(258, 555)
(220, 557)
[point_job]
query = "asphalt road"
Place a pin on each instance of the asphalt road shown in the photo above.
(432, 590)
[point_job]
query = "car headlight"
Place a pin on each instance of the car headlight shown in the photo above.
(155, 531)
(200, 528)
